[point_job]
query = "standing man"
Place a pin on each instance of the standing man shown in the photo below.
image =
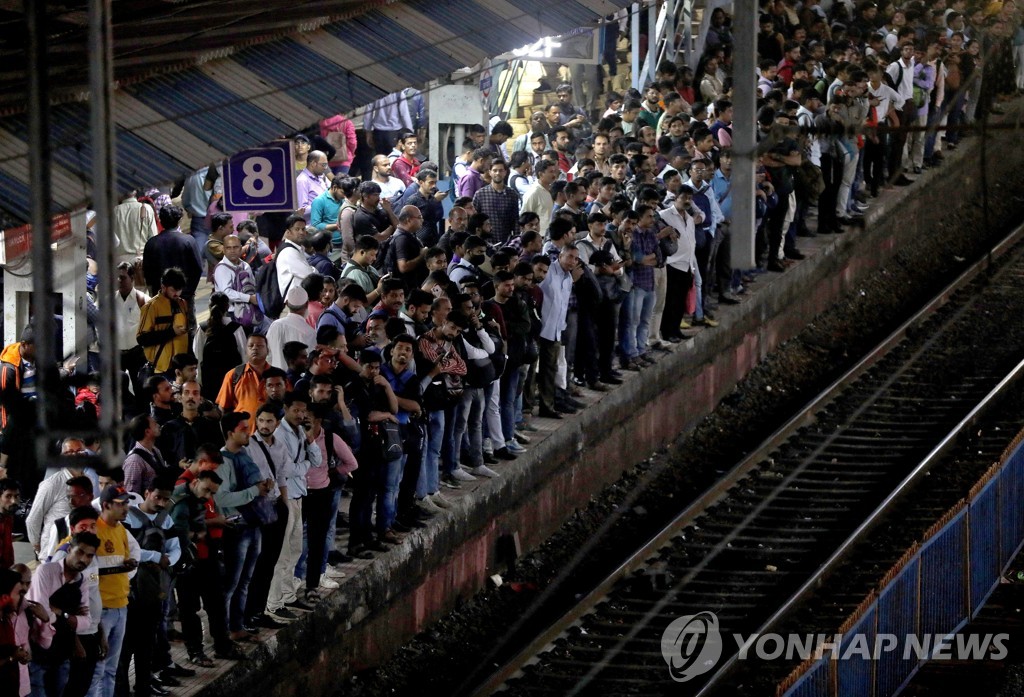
(51, 503)
(160, 549)
(428, 199)
(385, 120)
(390, 187)
(10, 498)
(292, 264)
(557, 288)
(302, 454)
(538, 198)
(128, 304)
(310, 183)
(61, 590)
(118, 558)
(144, 461)
(134, 225)
(242, 485)
(173, 249)
(499, 203)
(473, 180)
(290, 327)
(409, 254)
(164, 321)
(682, 217)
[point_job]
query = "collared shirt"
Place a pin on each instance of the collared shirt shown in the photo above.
(722, 189)
(538, 200)
(389, 113)
(307, 187)
(273, 468)
(138, 473)
(129, 312)
(685, 257)
(716, 210)
(324, 210)
(233, 492)
(134, 224)
(292, 266)
(47, 579)
(502, 207)
(904, 87)
(470, 183)
(291, 327)
(301, 455)
(245, 395)
(644, 242)
(91, 586)
(194, 197)
(557, 289)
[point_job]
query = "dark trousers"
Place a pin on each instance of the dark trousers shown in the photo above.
(384, 141)
(703, 255)
(360, 510)
(270, 552)
(723, 260)
(897, 141)
(82, 669)
(677, 289)
(202, 585)
(412, 440)
(605, 322)
(316, 512)
(585, 366)
(143, 617)
(775, 219)
(874, 165)
(832, 174)
(546, 372)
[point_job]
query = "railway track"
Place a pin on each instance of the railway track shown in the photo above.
(754, 546)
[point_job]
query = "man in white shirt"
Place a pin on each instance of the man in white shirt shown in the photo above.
(682, 216)
(538, 198)
(290, 327)
(902, 73)
(292, 265)
(390, 187)
(134, 224)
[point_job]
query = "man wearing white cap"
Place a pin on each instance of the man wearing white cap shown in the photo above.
(290, 327)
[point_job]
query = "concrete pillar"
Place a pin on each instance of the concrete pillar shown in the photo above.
(744, 140)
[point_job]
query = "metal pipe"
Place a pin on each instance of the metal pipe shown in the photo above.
(42, 256)
(744, 140)
(104, 174)
(634, 46)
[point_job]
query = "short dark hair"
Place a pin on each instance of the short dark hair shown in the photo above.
(366, 243)
(229, 422)
(8, 484)
(295, 396)
(210, 475)
(173, 278)
(292, 349)
(83, 482)
(80, 513)
(273, 372)
(170, 216)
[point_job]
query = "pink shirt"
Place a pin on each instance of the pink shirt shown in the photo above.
(317, 477)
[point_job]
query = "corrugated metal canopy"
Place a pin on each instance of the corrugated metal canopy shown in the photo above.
(199, 80)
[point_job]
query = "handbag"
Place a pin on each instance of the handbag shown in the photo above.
(261, 510)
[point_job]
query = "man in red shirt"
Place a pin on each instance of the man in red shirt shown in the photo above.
(10, 497)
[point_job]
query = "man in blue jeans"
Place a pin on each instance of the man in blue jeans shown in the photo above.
(646, 255)
(241, 541)
(400, 372)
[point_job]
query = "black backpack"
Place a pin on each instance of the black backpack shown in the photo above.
(268, 290)
(220, 354)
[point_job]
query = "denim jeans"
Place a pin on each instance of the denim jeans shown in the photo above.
(387, 500)
(114, 621)
(48, 680)
(469, 420)
(509, 388)
(428, 482)
(492, 416)
(200, 230)
(634, 341)
(241, 549)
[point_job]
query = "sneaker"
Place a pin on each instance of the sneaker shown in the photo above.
(646, 359)
(489, 457)
(597, 387)
(514, 447)
(449, 482)
(428, 505)
(314, 596)
(299, 604)
(201, 659)
(485, 471)
(526, 427)
(522, 438)
(462, 475)
(334, 572)
(440, 501)
(706, 322)
(282, 615)
(359, 552)
(506, 454)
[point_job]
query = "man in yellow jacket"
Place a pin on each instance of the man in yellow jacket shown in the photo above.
(163, 323)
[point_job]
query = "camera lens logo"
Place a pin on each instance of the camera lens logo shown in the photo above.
(691, 645)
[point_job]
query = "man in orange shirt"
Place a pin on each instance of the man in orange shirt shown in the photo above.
(242, 389)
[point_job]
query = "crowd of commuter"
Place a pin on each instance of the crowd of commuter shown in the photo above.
(391, 340)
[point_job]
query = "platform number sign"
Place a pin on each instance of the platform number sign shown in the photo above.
(261, 179)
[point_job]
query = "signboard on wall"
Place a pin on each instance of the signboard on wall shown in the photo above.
(261, 179)
(17, 242)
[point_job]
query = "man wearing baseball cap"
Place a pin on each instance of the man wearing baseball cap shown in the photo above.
(117, 558)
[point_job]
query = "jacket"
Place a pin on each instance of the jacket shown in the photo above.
(156, 331)
(12, 369)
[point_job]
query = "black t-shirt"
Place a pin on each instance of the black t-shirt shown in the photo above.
(406, 247)
(365, 222)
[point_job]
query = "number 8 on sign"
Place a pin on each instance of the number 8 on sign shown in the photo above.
(257, 182)
(261, 179)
